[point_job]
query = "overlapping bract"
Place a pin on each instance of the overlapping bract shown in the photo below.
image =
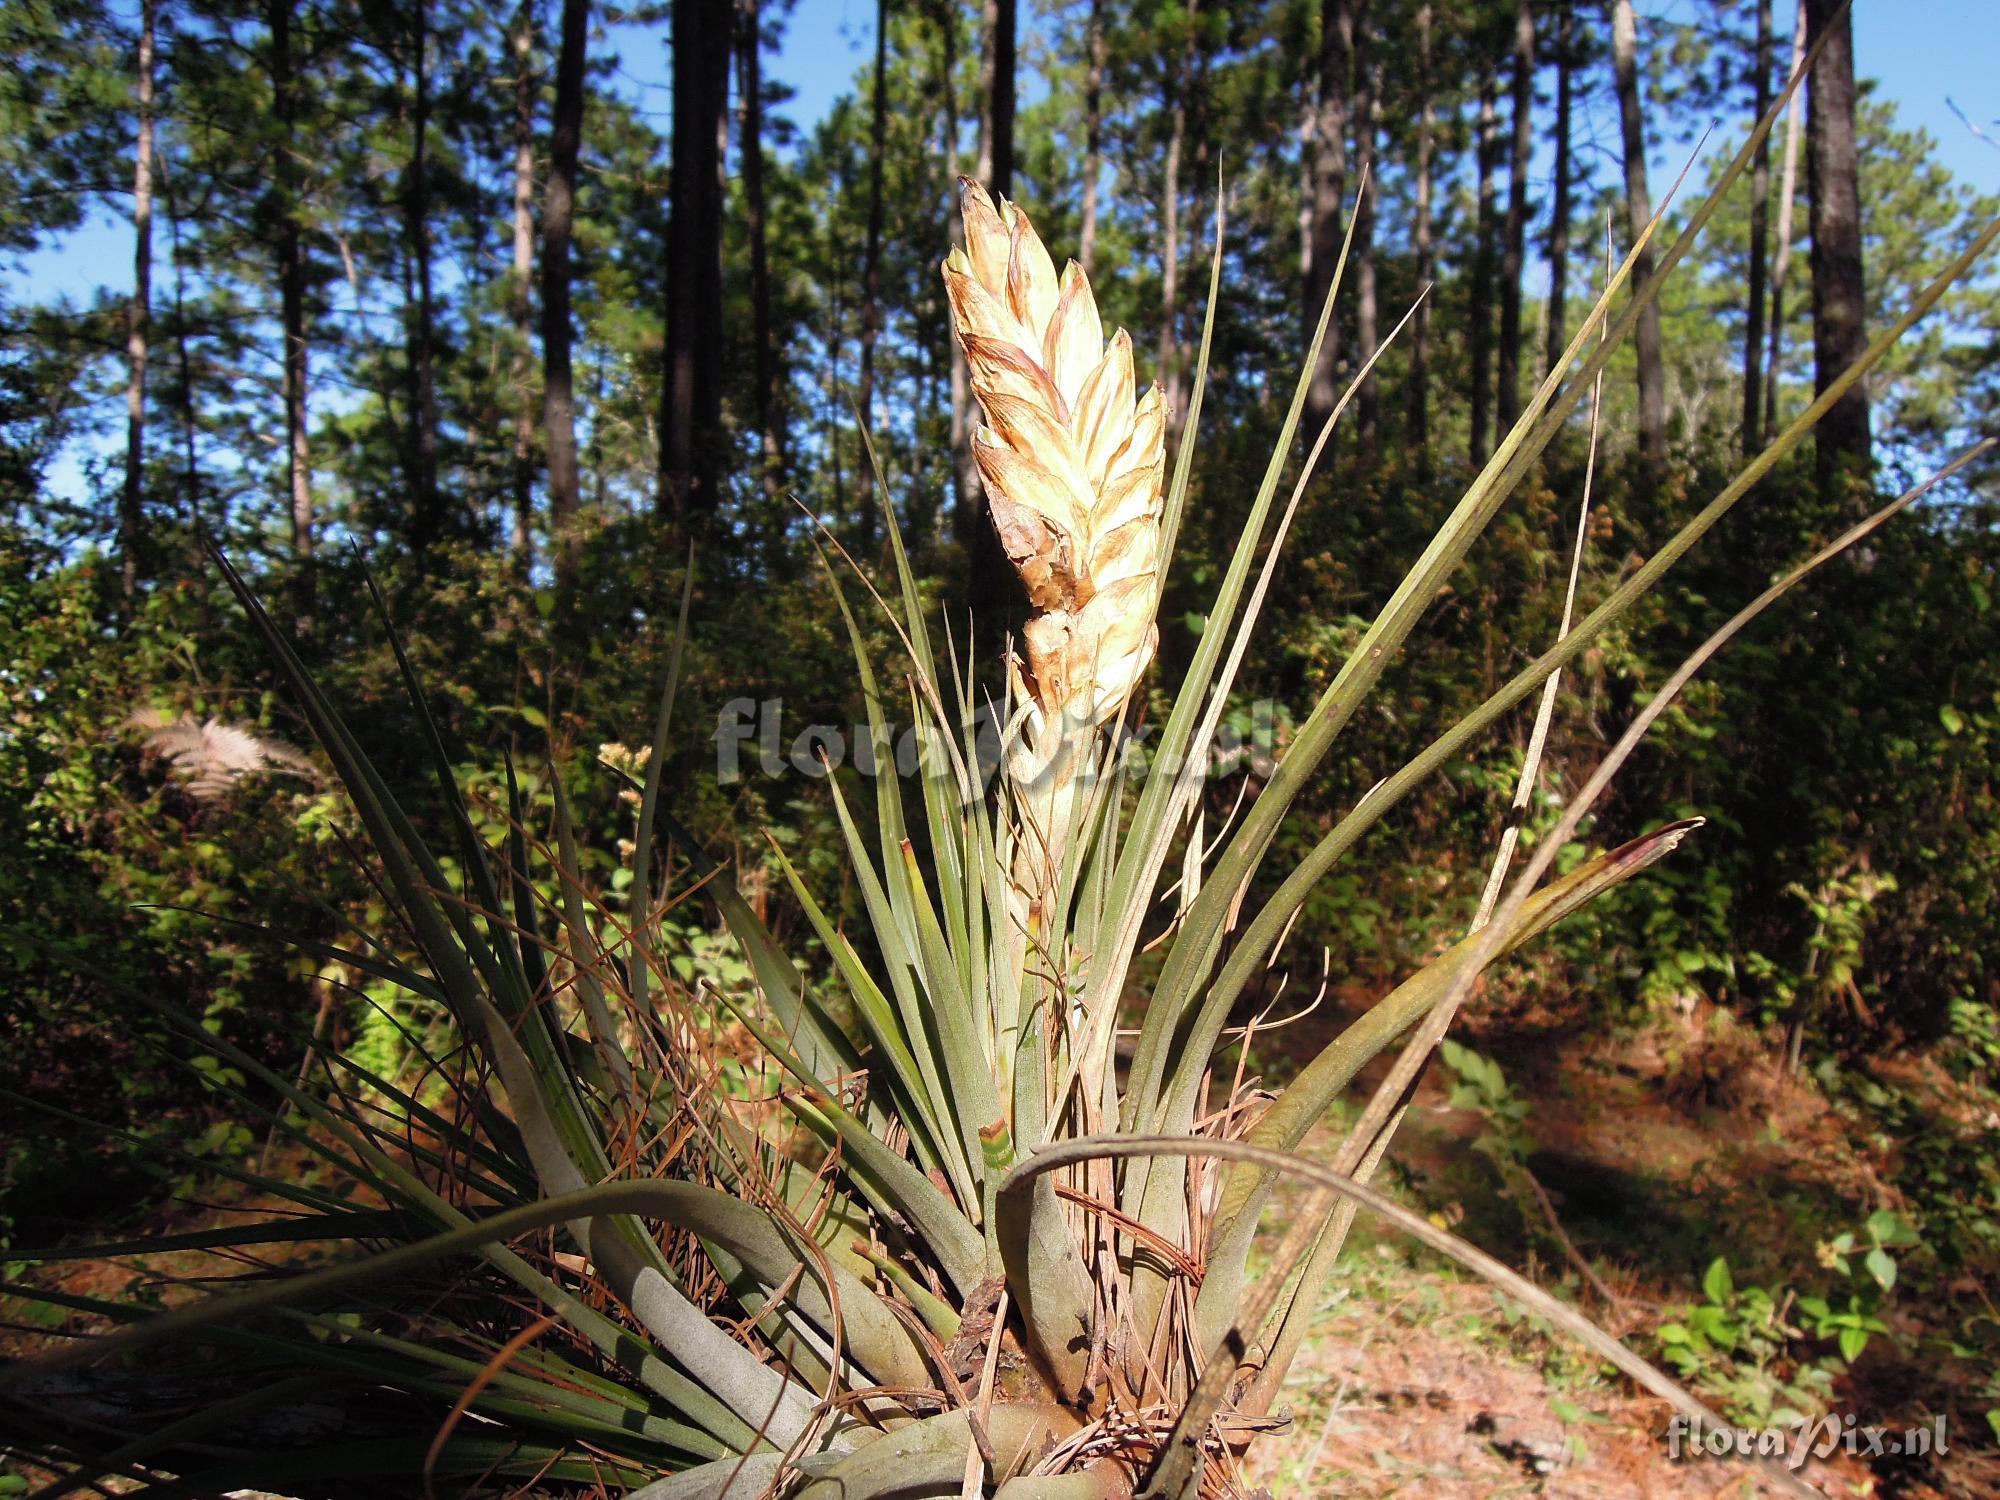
(1074, 465)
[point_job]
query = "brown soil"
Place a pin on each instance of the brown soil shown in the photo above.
(1658, 1152)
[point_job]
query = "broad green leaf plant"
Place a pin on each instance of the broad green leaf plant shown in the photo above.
(957, 1241)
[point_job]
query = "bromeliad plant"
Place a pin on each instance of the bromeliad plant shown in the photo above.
(946, 1240)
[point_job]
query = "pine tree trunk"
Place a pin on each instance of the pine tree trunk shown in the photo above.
(1760, 213)
(138, 323)
(1419, 395)
(996, 148)
(1513, 254)
(990, 587)
(921, 521)
(967, 512)
(1639, 213)
(1093, 134)
(1833, 189)
(1480, 304)
(558, 376)
(1167, 365)
(871, 263)
(1308, 86)
(1329, 196)
(184, 361)
(1781, 259)
(1561, 208)
(750, 92)
(292, 296)
(426, 518)
(1367, 94)
(837, 346)
(520, 301)
(691, 396)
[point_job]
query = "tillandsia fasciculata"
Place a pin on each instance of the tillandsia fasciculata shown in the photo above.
(927, 1231)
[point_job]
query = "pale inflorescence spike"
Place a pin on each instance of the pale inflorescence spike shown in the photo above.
(1074, 464)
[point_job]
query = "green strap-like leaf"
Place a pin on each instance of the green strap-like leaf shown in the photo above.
(927, 1458)
(585, 950)
(388, 1174)
(889, 1182)
(912, 1076)
(1196, 943)
(880, 1341)
(1307, 1098)
(966, 1064)
(1181, 1458)
(1254, 944)
(1049, 1283)
(725, 1479)
(916, 1022)
(782, 1415)
(825, 1049)
(1156, 815)
(361, 1224)
(641, 914)
(394, 1460)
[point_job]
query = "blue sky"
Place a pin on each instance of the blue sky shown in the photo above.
(1924, 54)
(1921, 52)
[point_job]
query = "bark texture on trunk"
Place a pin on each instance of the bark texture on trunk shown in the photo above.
(520, 298)
(426, 513)
(1484, 266)
(691, 394)
(1367, 100)
(990, 586)
(1167, 364)
(871, 261)
(1781, 259)
(833, 413)
(1419, 395)
(292, 293)
(184, 396)
(1307, 87)
(1760, 244)
(996, 86)
(1561, 208)
(558, 222)
(1329, 194)
(138, 324)
(1513, 252)
(968, 514)
(1093, 134)
(1638, 213)
(1833, 186)
(750, 93)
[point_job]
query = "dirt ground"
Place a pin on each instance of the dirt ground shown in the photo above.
(1654, 1151)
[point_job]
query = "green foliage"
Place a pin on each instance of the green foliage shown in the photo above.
(988, 1003)
(1763, 1352)
(1733, 1344)
(1482, 1087)
(1948, 1162)
(808, 972)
